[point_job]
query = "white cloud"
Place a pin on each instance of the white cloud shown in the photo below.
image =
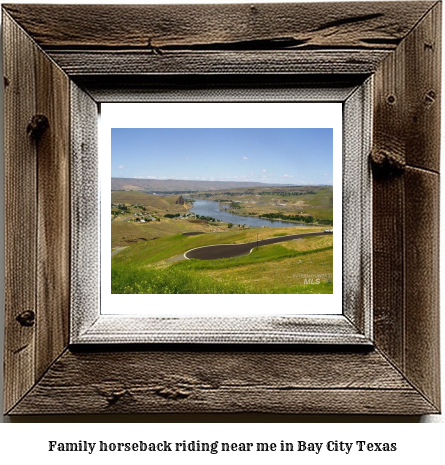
(121, 167)
(287, 176)
(187, 158)
(264, 171)
(245, 158)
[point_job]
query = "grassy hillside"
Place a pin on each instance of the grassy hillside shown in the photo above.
(150, 201)
(124, 233)
(153, 261)
(163, 185)
(278, 268)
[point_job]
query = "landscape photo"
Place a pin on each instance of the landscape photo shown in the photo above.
(222, 211)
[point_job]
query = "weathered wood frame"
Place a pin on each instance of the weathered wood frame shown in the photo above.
(90, 323)
(78, 56)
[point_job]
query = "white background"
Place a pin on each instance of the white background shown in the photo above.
(219, 115)
(26, 443)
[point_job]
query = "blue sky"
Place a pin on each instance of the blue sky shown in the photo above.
(279, 156)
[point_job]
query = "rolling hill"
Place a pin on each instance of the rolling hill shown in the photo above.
(167, 185)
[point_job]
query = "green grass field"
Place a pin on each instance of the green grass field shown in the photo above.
(279, 268)
(124, 233)
(153, 260)
(153, 202)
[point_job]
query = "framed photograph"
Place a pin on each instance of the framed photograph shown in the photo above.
(248, 188)
(253, 286)
(273, 188)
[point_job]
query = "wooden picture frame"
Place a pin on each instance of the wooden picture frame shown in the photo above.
(90, 318)
(59, 67)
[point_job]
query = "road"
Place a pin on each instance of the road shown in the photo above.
(214, 252)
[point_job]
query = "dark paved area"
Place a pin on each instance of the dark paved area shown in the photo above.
(192, 233)
(213, 252)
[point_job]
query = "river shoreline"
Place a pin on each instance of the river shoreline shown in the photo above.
(211, 208)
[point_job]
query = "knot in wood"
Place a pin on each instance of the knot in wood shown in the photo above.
(389, 163)
(115, 396)
(112, 393)
(172, 393)
(37, 126)
(26, 318)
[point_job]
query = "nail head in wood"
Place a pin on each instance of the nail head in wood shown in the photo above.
(37, 126)
(430, 97)
(26, 318)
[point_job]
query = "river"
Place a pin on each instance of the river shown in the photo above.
(211, 208)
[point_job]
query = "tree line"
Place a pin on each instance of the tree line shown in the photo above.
(301, 218)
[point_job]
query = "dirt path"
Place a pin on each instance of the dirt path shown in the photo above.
(117, 250)
(214, 252)
(176, 258)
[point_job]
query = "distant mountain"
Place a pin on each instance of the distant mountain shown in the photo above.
(159, 185)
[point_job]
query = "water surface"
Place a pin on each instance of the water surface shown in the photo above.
(211, 208)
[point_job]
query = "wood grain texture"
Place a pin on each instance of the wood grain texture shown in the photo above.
(422, 364)
(398, 42)
(20, 212)
(357, 209)
(388, 268)
(423, 91)
(261, 26)
(388, 201)
(121, 63)
(421, 210)
(223, 382)
(85, 211)
(112, 329)
(53, 228)
(254, 39)
(215, 87)
(37, 214)
(406, 208)
(408, 82)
